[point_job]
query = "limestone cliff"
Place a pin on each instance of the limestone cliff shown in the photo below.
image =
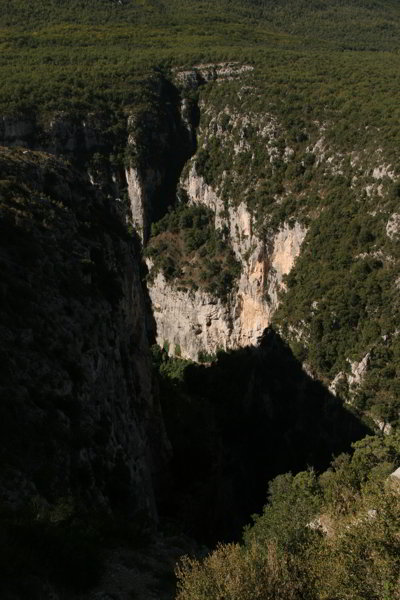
(194, 322)
(79, 418)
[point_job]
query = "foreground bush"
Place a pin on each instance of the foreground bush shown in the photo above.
(236, 573)
(307, 544)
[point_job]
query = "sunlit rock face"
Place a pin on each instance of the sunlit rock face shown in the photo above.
(192, 323)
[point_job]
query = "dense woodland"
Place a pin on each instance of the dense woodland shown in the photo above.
(321, 70)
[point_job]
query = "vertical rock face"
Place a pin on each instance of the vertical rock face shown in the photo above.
(78, 415)
(189, 322)
(158, 145)
(142, 186)
(195, 322)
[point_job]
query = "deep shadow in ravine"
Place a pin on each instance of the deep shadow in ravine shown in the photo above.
(236, 424)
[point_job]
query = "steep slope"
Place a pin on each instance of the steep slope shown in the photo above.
(78, 415)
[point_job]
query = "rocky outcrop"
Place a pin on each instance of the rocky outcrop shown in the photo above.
(204, 73)
(79, 419)
(354, 378)
(358, 370)
(195, 323)
(393, 226)
(396, 475)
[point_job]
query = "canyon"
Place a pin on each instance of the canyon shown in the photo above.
(96, 419)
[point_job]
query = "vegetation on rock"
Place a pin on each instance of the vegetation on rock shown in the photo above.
(187, 249)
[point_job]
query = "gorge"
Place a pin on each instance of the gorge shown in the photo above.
(200, 271)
